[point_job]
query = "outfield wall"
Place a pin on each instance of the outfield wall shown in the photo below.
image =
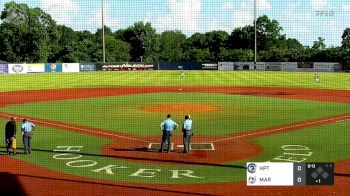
(24, 68)
(281, 66)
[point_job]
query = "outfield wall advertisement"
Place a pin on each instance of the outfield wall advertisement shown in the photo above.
(17, 68)
(36, 68)
(127, 67)
(70, 67)
(53, 67)
(87, 67)
(4, 69)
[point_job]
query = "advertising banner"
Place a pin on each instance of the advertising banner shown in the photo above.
(17, 68)
(224, 66)
(87, 67)
(4, 69)
(327, 66)
(289, 66)
(210, 66)
(273, 66)
(70, 67)
(128, 67)
(36, 67)
(53, 67)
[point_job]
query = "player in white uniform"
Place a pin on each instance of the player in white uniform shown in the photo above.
(317, 79)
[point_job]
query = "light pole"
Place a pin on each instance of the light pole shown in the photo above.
(141, 57)
(103, 34)
(255, 39)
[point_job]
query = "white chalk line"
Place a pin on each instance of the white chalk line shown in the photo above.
(82, 129)
(343, 120)
(278, 129)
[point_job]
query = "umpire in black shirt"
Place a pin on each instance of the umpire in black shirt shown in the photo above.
(10, 134)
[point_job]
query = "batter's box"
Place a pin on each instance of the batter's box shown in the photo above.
(202, 146)
(156, 146)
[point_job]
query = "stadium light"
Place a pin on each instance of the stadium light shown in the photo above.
(103, 34)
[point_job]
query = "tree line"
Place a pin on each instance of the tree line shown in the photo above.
(31, 35)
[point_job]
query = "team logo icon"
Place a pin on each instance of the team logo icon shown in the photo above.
(53, 67)
(251, 168)
(17, 68)
(252, 179)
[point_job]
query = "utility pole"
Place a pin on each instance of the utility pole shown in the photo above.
(255, 36)
(103, 34)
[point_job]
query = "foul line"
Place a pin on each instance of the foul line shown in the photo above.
(288, 127)
(343, 120)
(81, 129)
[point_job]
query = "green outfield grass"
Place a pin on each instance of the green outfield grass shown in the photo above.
(236, 113)
(172, 78)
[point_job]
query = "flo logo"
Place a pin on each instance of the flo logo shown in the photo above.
(17, 68)
(251, 168)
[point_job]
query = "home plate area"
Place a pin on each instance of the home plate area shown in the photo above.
(193, 146)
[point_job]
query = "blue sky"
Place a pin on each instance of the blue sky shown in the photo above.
(305, 20)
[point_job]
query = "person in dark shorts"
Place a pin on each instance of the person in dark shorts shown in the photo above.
(10, 135)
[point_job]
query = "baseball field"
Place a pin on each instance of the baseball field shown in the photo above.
(98, 133)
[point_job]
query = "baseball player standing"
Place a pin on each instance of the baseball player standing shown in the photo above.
(187, 133)
(167, 126)
(317, 79)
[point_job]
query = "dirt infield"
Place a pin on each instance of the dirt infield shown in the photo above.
(32, 178)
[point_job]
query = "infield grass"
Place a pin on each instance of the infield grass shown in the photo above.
(236, 113)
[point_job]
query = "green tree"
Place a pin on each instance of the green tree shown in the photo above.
(27, 34)
(319, 44)
(294, 44)
(242, 38)
(217, 42)
(196, 48)
(171, 45)
(143, 40)
(269, 34)
(346, 38)
(116, 50)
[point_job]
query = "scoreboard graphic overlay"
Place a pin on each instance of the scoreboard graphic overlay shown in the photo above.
(289, 174)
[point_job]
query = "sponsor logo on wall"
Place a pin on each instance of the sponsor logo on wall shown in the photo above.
(4, 69)
(36, 67)
(127, 67)
(86, 67)
(70, 67)
(53, 67)
(17, 68)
